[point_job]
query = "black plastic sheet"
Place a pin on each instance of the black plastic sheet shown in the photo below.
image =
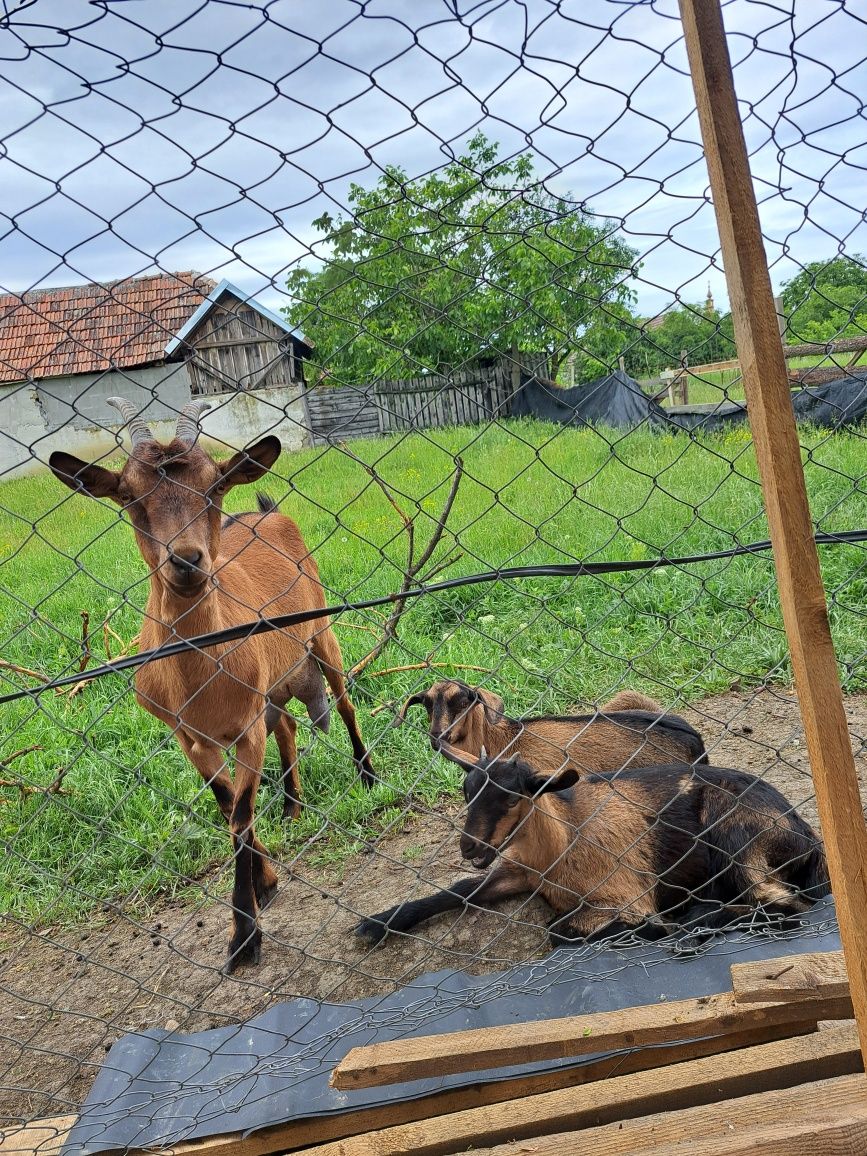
(157, 1088)
(619, 402)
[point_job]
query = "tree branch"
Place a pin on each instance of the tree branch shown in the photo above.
(414, 565)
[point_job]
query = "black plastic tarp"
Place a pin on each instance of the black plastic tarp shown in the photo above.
(619, 402)
(157, 1088)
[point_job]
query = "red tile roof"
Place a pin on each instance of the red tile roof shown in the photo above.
(89, 328)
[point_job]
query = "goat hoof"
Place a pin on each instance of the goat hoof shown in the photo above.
(560, 939)
(244, 949)
(374, 930)
(368, 775)
(292, 808)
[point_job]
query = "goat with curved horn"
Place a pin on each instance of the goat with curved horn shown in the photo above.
(139, 430)
(187, 429)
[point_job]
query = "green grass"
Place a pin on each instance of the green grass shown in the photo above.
(135, 822)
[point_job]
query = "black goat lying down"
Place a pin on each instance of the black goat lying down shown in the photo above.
(646, 849)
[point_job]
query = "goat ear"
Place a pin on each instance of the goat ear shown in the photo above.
(494, 706)
(463, 758)
(251, 464)
(413, 700)
(84, 477)
(536, 784)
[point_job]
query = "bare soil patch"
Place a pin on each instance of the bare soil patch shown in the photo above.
(66, 994)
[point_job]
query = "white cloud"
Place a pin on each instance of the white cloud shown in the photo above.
(212, 136)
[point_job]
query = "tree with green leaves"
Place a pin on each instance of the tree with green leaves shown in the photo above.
(473, 261)
(827, 300)
(704, 333)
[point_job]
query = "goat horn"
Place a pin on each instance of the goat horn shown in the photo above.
(187, 429)
(139, 430)
(483, 754)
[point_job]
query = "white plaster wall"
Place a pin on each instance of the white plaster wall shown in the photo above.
(239, 418)
(70, 413)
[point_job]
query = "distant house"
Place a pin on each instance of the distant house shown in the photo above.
(158, 340)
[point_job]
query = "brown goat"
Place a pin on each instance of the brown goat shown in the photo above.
(205, 575)
(631, 729)
(644, 850)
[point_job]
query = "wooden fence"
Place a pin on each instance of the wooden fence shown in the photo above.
(470, 397)
(675, 382)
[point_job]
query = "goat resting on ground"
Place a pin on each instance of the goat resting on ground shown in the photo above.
(643, 850)
(207, 574)
(630, 730)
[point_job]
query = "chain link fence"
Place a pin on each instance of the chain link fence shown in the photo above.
(460, 259)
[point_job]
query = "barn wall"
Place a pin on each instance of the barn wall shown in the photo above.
(239, 418)
(236, 347)
(70, 413)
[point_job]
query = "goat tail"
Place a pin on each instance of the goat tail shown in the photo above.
(813, 879)
(266, 503)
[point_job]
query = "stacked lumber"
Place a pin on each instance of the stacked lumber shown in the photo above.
(746, 1071)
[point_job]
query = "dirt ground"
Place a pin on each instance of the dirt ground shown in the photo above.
(67, 994)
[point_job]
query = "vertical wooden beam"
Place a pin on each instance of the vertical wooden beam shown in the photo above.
(782, 320)
(779, 458)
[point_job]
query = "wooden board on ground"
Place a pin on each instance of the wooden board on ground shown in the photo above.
(800, 977)
(769, 1122)
(781, 1064)
(486, 1048)
(300, 1133)
(43, 1137)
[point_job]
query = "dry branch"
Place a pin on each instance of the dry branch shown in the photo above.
(4, 665)
(431, 666)
(414, 566)
(54, 788)
(85, 641)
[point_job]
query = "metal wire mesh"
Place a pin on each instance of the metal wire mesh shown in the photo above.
(508, 201)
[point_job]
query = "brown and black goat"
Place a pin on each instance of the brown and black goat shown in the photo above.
(630, 730)
(207, 573)
(645, 850)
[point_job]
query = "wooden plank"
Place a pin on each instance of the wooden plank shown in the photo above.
(782, 1064)
(41, 1138)
(818, 375)
(483, 1048)
(846, 1136)
(772, 419)
(713, 367)
(842, 1137)
(300, 1133)
(800, 977)
(817, 1104)
(844, 345)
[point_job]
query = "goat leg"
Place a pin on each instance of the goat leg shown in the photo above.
(590, 924)
(500, 883)
(209, 761)
(246, 939)
(285, 729)
(326, 650)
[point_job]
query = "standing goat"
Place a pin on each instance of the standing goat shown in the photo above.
(207, 574)
(610, 853)
(631, 729)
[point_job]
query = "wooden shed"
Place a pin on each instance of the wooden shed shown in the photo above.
(232, 342)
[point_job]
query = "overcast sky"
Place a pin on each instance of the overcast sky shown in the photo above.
(209, 135)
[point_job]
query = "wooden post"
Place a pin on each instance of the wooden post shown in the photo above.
(782, 320)
(516, 369)
(779, 458)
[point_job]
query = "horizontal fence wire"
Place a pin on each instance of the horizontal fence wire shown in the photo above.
(265, 625)
(337, 341)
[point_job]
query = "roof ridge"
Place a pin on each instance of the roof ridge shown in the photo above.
(189, 277)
